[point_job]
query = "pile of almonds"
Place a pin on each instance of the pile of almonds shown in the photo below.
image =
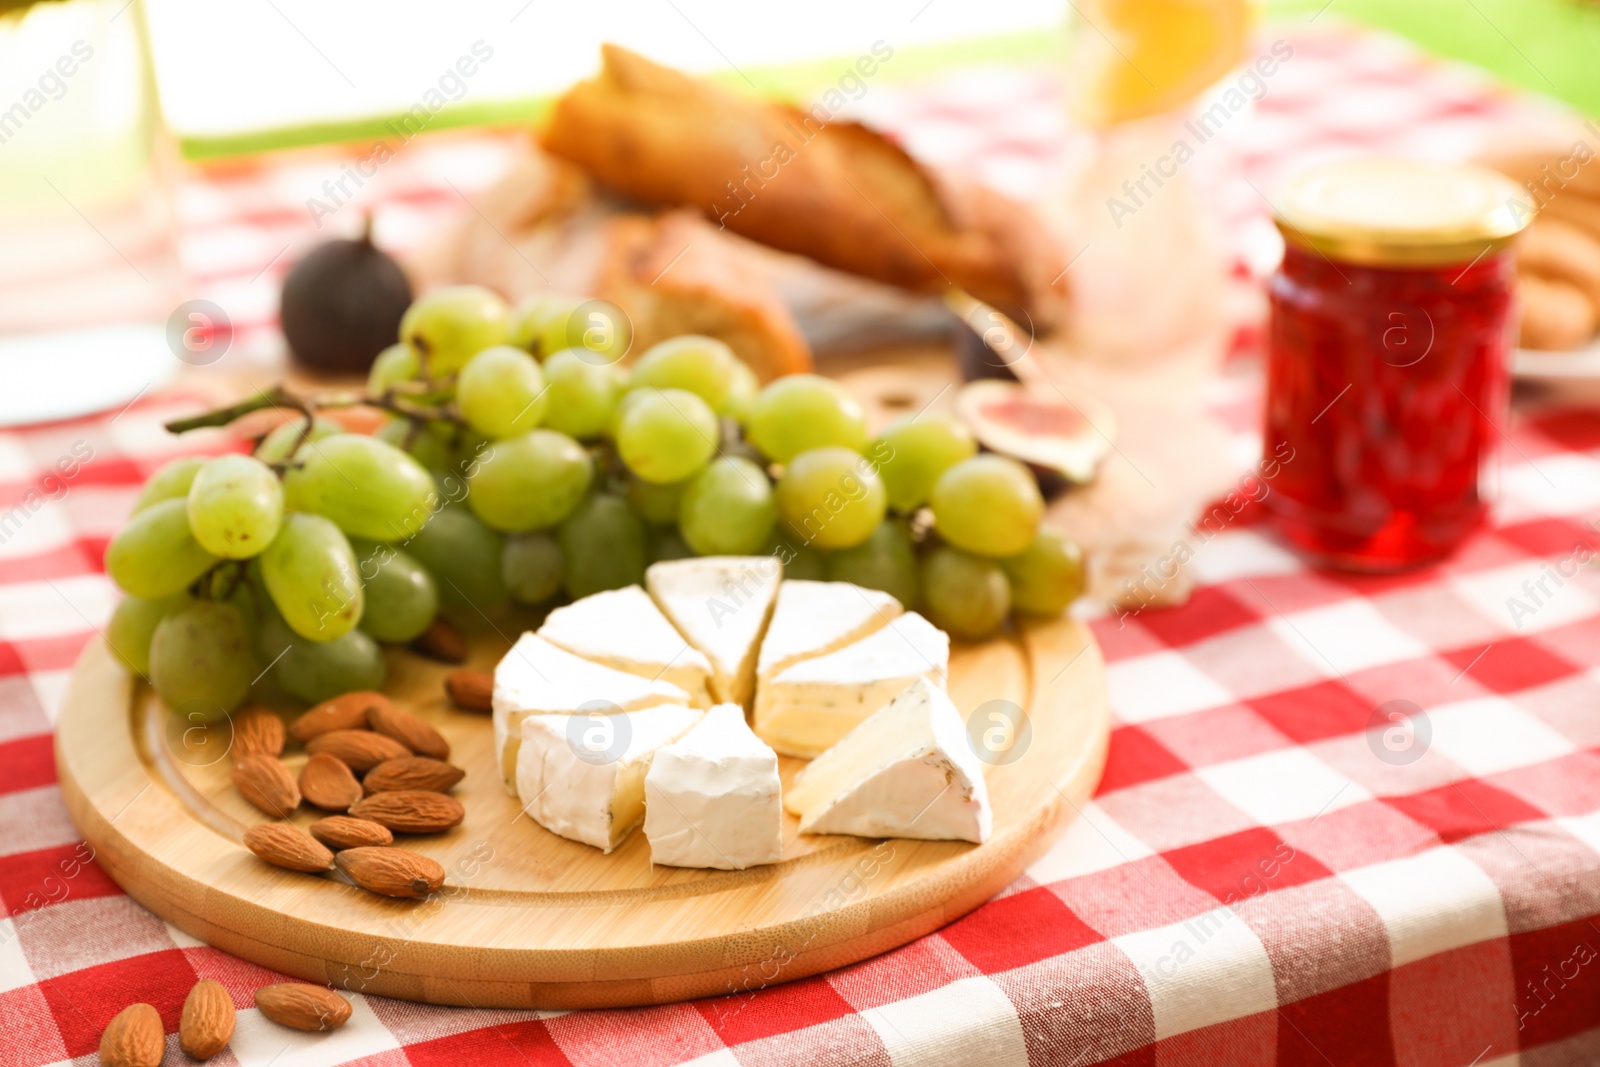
(377, 769)
(136, 1038)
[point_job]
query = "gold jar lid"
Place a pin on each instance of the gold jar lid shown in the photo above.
(1395, 212)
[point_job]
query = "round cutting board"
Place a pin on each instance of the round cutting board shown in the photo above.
(531, 920)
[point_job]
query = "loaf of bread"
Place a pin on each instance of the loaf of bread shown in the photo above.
(802, 182)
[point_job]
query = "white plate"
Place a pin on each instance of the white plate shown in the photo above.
(1578, 365)
(71, 373)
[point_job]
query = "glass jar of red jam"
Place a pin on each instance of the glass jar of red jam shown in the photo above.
(1391, 322)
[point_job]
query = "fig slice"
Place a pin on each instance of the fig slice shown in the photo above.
(1057, 434)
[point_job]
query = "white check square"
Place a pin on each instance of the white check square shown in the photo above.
(1512, 599)
(257, 1040)
(1205, 970)
(1343, 638)
(1160, 685)
(1432, 902)
(968, 1023)
(1282, 786)
(1240, 553)
(1492, 734)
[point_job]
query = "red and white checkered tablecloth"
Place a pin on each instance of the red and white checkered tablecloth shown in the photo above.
(1260, 878)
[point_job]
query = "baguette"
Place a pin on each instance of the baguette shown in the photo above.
(800, 182)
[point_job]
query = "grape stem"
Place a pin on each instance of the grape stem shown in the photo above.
(279, 397)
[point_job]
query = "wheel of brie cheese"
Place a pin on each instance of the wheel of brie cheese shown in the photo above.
(629, 707)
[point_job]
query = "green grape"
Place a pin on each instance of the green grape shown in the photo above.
(965, 594)
(425, 442)
(156, 554)
(804, 411)
(602, 547)
(501, 392)
(831, 498)
(666, 434)
(369, 488)
(699, 365)
(235, 506)
(582, 396)
(987, 504)
(170, 480)
(401, 598)
(451, 325)
(396, 364)
(885, 561)
(200, 659)
(310, 573)
(464, 557)
(664, 543)
(529, 482)
(133, 623)
(654, 502)
(531, 567)
(549, 322)
(1047, 575)
(316, 671)
(280, 443)
(913, 452)
(799, 561)
(742, 389)
(728, 509)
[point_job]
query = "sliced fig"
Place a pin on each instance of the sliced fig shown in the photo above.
(1056, 434)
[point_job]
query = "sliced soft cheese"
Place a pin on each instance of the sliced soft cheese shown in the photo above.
(815, 618)
(807, 707)
(537, 678)
(721, 605)
(908, 771)
(712, 797)
(582, 776)
(623, 629)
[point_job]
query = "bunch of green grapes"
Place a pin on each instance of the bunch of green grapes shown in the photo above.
(520, 461)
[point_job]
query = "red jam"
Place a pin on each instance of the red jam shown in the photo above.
(1388, 384)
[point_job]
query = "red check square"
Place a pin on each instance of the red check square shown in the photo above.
(49, 876)
(1207, 613)
(1017, 930)
(30, 762)
(1465, 809)
(1345, 1025)
(1511, 666)
(1314, 712)
(1136, 757)
(1244, 865)
(774, 1010)
(83, 1002)
(525, 1042)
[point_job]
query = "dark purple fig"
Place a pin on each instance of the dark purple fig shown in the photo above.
(342, 304)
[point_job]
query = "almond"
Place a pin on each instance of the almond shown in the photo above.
(442, 641)
(257, 731)
(207, 1021)
(328, 783)
(342, 831)
(412, 773)
(265, 782)
(470, 690)
(284, 846)
(347, 712)
(409, 730)
(303, 1007)
(361, 750)
(391, 872)
(410, 811)
(135, 1038)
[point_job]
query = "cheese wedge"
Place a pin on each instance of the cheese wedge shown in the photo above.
(537, 678)
(815, 618)
(582, 776)
(721, 605)
(908, 771)
(809, 706)
(712, 797)
(623, 629)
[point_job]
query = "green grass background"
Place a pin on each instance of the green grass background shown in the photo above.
(1549, 46)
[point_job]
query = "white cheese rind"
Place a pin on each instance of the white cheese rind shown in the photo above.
(908, 771)
(720, 604)
(599, 799)
(712, 797)
(537, 678)
(808, 707)
(624, 630)
(815, 618)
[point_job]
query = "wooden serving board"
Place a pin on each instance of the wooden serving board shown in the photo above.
(528, 919)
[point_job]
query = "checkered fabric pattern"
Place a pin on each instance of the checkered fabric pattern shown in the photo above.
(1285, 863)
